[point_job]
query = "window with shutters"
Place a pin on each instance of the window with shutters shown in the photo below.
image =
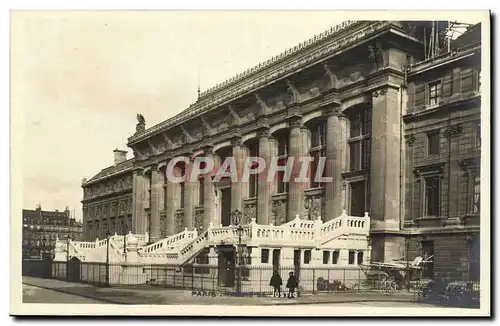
(434, 92)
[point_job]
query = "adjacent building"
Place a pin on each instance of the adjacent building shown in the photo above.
(442, 128)
(42, 228)
(399, 129)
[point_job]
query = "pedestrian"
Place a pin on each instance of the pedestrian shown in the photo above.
(291, 284)
(276, 282)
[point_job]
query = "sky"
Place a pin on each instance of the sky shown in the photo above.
(85, 76)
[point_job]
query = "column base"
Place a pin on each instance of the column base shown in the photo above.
(387, 248)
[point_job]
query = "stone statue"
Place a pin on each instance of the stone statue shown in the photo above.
(141, 124)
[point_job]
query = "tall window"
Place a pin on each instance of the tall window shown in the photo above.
(264, 256)
(318, 149)
(476, 200)
(307, 256)
(352, 256)
(359, 142)
(335, 257)
(252, 178)
(283, 150)
(326, 256)
(433, 139)
(434, 92)
(432, 196)
(358, 198)
(182, 189)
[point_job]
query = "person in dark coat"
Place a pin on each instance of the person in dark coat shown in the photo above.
(291, 284)
(276, 282)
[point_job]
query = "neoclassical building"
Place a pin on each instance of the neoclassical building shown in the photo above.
(342, 95)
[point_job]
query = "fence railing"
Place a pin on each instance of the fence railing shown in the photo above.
(254, 280)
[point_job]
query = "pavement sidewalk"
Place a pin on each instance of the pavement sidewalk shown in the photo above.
(156, 295)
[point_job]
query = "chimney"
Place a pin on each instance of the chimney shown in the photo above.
(120, 156)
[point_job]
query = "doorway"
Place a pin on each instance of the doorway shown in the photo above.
(227, 264)
(225, 206)
(296, 262)
(276, 259)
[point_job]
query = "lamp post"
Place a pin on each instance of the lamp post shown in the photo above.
(237, 217)
(107, 257)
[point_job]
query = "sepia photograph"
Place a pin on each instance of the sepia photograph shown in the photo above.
(248, 163)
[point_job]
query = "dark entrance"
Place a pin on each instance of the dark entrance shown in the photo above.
(227, 266)
(276, 259)
(226, 206)
(74, 270)
(296, 262)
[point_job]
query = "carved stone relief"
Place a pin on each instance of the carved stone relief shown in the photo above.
(179, 222)
(250, 212)
(313, 207)
(279, 212)
(198, 221)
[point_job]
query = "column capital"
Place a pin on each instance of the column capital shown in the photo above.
(264, 132)
(138, 170)
(237, 141)
(295, 121)
(208, 149)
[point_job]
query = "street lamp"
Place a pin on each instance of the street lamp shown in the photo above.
(107, 257)
(237, 216)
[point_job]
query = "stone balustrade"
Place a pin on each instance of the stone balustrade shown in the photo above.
(181, 247)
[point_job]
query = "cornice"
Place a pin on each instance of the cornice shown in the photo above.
(330, 44)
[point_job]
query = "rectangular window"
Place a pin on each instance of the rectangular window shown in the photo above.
(352, 256)
(476, 199)
(432, 196)
(428, 254)
(326, 256)
(318, 135)
(360, 258)
(283, 146)
(264, 256)
(316, 155)
(201, 191)
(355, 156)
(433, 139)
(252, 185)
(307, 256)
(434, 92)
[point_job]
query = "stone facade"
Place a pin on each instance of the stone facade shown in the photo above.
(341, 95)
(443, 156)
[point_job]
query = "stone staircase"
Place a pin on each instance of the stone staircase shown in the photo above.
(182, 247)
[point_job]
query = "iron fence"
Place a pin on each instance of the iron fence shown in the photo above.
(255, 280)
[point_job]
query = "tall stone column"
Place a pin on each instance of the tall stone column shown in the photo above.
(385, 172)
(171, 205)
(296, 189)
(239, 154)
(263, 186)
(208, 194)
(139, 194)
(156, 189)
(336, 163)
(189, 198)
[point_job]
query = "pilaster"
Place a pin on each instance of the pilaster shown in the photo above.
(172, 203)
(189, 197)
